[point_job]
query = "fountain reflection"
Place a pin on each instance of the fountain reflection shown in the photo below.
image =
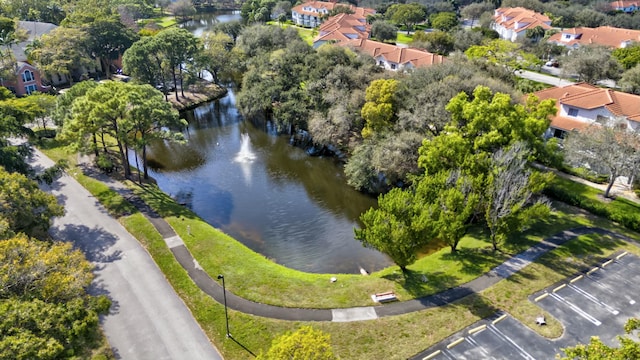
(245, 157)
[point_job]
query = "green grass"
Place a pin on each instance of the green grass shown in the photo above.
(620, 210)
(399, 337)
(403, 38)
(305, 33)
(162, 20)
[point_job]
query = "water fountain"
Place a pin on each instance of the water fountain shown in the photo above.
(245, 157)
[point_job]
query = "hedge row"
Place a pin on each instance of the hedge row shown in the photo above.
(622, 211)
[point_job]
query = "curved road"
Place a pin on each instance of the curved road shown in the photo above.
(147, 320)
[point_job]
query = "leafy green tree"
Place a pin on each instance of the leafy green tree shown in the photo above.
(628, 57)
(107, 40)
(450, 201)
(511, 201)
(303, 344)
(630, 81)
(504, 53)
(151, 118)
(596, 349)
(144, 61)
(40, 330)
(383, 31)
(439, 42)
(32, 269)
(178, 46)
(132, 114)
(43, 106)
(535, 33)
(64, 102)
(591, 64)
(217, 54)
(407, 14)
(25, 208)
(482, 126)
(398, 227)
(444, 21)
(379, 111)
(62, 51)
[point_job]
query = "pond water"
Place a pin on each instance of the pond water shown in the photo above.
(273, 197)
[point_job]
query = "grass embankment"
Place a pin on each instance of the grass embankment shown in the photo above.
(403, 38)
(620, 210)
(399, 337)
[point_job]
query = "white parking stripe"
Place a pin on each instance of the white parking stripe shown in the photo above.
(575, 308)
(475, 343)
(448, 354)
(594, 299)
(504, 337)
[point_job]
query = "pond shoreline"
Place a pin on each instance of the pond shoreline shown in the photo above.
(196, 95)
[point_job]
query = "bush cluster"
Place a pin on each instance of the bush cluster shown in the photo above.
(619, 210)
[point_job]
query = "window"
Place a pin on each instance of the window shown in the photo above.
(29, 89)
(393, 66)
(27, 75)
(560, 134)
(567, 36)
(573, 112)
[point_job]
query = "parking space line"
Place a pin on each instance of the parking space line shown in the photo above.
(594, 299)
(448, 355)
(504, 337)
(559, 287)
(475, 343)
(576, 278)
(455, 342)
(477, 329)
(432, 355)
(502, 317)
(578, 310)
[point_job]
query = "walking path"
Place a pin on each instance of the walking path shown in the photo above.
(214, 289)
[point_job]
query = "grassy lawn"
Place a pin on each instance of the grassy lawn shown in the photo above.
(305, 33)
(403, 38)
(162, 20)
(396, 337)
(619, 209)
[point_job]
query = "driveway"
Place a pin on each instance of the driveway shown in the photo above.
(147, 320)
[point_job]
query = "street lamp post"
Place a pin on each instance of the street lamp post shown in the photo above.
(224, 294)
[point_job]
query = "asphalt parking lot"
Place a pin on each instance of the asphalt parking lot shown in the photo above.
(596, 303)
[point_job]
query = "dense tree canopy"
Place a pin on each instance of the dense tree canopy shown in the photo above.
(591, 64)
(24, 208)
(595, 350)
(305, 343)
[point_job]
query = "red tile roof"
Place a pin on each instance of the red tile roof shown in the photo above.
(395, 54)
(585, 96)
(509, 17)
(623, 4)
(603, 35)
(340, 26)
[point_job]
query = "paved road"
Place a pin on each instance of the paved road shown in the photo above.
(148, 320)
(546, 79)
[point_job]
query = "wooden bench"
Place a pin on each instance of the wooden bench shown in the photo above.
(384, 297)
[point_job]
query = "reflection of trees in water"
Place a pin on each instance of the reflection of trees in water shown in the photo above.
(206, 129)
(323, 179)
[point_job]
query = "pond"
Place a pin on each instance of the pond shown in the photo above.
(273, 197)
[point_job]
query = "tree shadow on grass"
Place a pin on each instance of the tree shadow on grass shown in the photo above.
(474, 261)
(419, 283)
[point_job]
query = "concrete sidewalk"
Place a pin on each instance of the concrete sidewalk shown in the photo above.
(214, 289)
